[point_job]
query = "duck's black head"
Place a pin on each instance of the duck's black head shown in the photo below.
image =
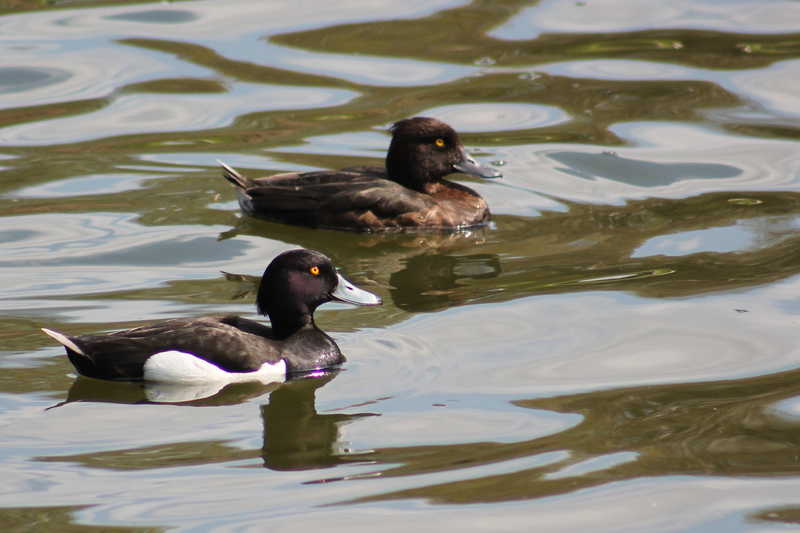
(425, 150)
(298, 281)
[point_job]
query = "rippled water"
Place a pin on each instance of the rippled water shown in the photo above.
(618, 351)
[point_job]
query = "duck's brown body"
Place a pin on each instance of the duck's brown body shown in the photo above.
(409, 194)
(362, 199)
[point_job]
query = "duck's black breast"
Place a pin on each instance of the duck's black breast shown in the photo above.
(310, 349)
(362, 199)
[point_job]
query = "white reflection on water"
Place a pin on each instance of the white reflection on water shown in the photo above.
(601, 462)
(599, 16)
(209, 159)
(573, 343)
(93, 69)
(156, 16)
(365, 69)
(744, 235)
(77, 254)
(655, 505)
(742, 163)
(357, 144)
(21, 79)
(438, 420)
(772, 87)
(229, 20)
(436, 377)
(769, 94)
(77, 49)
(140, 113)
(497, 116)
(84, 310)
(92, 184)
(81, 43)
(625, 69)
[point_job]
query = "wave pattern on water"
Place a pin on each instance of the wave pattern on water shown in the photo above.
(617, 350)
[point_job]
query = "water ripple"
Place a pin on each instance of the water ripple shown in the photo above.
(668, 160)
(83, 73)
(498, 116)
(139, 113)
(741, 16)
(92, 184)
(24, 79)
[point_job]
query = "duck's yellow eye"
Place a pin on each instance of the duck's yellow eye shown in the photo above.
(314, 270)
(439, 142)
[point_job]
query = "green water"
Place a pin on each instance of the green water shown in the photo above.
(616, 352)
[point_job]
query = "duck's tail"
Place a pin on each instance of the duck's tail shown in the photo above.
(68, 343)
(80, 359)
(232, 175)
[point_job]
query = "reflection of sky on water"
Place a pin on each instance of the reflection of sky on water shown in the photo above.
(567, 343)
(355, 144)
(92, 68)
(209, 159)
(768, 92)
(598, 16)
(156, 16)
(140, 113)
(464, 421)
(362, 69)
(497, 116)
(463, 117)
(638, 172)
(23, 79)
(433, 377)
(210, 19)
(595, 464)
(737, 163)
(93, 184)
(56, 57)
(57, 254)
(742, 236)
(720, 240)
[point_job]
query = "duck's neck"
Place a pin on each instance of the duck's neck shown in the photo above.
(286, 325)
(404, 172)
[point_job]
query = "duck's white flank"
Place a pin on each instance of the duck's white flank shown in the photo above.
(174, 366)
(63, 339)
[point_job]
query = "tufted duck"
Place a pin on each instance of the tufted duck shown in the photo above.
(230, 348)
(409, 194)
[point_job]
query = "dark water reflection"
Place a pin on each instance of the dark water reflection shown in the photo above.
(295, 435)
(708, 429)
(425, 272)
(739, 428)
(616, 351)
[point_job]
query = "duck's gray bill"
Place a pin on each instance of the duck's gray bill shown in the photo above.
(347, 292)
(472, 167)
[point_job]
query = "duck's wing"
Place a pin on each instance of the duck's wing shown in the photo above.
(315, 186)
(308, 191)
(233, 344)
(359, 198)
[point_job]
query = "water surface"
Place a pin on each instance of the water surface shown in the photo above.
(617, 351)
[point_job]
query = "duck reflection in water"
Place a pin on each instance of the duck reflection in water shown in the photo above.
(423, 283)
(433, 282)
(423, 272)
(295, 435)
